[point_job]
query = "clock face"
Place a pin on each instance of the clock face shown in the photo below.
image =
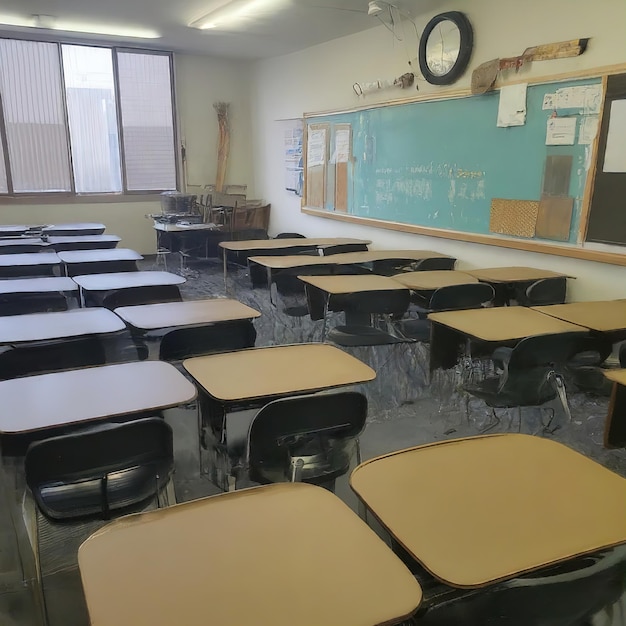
(445, 47)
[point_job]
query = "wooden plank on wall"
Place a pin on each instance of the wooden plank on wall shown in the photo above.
(316, 164)
(342, 154)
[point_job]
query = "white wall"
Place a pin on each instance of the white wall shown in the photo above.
(200, 81)
(321, 78)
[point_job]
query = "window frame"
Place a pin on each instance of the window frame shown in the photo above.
(101, 196)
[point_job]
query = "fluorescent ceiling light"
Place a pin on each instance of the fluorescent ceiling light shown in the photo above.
(234, 12)
(51, 23)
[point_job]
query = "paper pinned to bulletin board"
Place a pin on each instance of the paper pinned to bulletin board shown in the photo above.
(294, 170)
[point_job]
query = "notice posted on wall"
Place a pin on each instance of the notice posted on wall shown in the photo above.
(294, 171)
(316, 147)
(561, 131)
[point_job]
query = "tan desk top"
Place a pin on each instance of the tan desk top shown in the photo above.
(126, 280)
(97, 256)
(600, 316)
(47, 284)
(617, 376)
(275, 371)
(93, 393)
(429, 281)
(512, 274)
(58, 325)
(345, 258)
(188, 313)
(478, 510)
(32, 258)
(270, 556)
(277, 244)
(503, 323)
(352, 283)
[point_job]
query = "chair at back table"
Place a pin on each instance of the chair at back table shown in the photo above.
(531, 373)
(306, 438)
(81, 269)
(40, 357)
(375, 306)
(20, 249)
(97, 473)
(543, 292)
(389, 267)
(21, 304)
(449, 298)
(289, 236)
(183, 343)
(150, 294)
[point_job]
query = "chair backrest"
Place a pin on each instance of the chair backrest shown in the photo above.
(436, 263)
(546, 350)
(32, 303)
(106, 468)
(182, 343)
(52, 356)
(20, 249)
(81, 269)
(344, 247)
(150, 294)
(543, 292)
(457, 297)
(384, 302)
(289, 236)
(303, 426)
(622, 355)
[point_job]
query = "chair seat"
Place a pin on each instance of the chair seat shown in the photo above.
(361, 336)
(419, 329)
(526, 393)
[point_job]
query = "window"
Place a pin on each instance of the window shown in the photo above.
(85, 119)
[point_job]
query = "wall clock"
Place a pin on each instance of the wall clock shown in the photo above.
(445, 47)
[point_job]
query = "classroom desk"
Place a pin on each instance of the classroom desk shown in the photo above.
(148, 317)
(83, 242)
(276, 555)
(19, 245)
(339, 285)
(28, 264)
(13, 290)
(495, 324)
(90, 394)
(263, 373)
(58, 325)
(433, 280)
(607, 316)
(504, 278)
(615, 423)
(373, 260)
(102, 283)
(94, 261)
(73, 229)
(489, 508)
(274, 247)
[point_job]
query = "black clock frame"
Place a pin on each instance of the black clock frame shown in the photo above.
(465, 49)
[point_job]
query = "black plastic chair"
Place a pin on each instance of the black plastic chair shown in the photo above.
(82, 269)
(373, 306)
(622, 355)
(306, 438)
(101, 470)
(289, 236)
(449, 298)
(183, 343)
(51, 356)
(20, 248)
(584, 368)
(24, 303)
(343, 248)
(543, 292)
(530, 374)
(389, 267)
(97, 473)
(150, 294)
(567, 594)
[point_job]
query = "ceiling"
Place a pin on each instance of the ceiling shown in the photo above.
(295, 25)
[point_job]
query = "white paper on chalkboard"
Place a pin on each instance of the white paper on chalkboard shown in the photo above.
(615, 153)
(561, 131)
(512, 106)
(316, 147)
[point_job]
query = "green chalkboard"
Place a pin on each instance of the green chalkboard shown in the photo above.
(439, 163)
